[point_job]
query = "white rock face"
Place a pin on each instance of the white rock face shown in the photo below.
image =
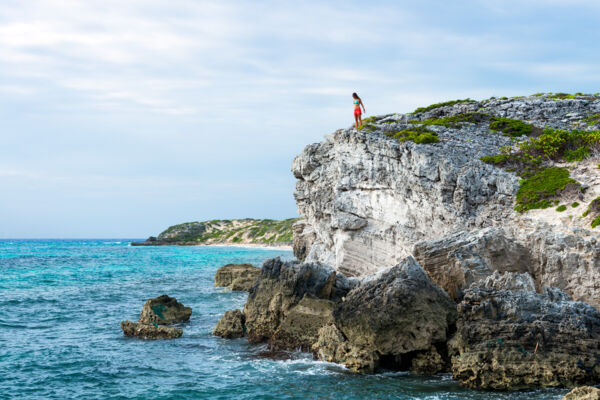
(367, 199)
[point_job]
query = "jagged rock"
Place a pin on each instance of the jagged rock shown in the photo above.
(513, 281)
(304, 236)
(164, 310)
(390, 319)
(291, 301)
(237, 276)
(583, 393)
(516, 340)
(427, 362)
(400, 194)
(145, 331)
(456, 261)
(231, 326)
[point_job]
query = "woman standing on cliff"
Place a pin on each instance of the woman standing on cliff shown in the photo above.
(357, 114)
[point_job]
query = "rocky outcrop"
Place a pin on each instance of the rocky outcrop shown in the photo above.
(583, 393)
(145, 331)
(164, 310)
(456, 261)
(521, 339)
(231, 326)
(368, 201)
(157, 313)
(291, 301)
(238, 277)
(395, 320)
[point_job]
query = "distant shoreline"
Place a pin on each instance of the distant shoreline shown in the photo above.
(287, 247)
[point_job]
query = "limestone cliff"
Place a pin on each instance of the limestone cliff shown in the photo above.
(369, 198)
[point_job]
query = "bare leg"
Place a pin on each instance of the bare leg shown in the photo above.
(360, 119)
(356, 117)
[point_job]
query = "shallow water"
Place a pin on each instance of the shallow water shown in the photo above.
(61, 302)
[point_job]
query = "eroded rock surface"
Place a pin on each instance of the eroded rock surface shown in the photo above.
(291, 301)
(583, 393)
(157, 313)
(145, 331)
(240, 277)
(519, 339)
(396, 316)
(164, 310)
(231, 325)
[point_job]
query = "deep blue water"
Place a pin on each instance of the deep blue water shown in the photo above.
(61, 302)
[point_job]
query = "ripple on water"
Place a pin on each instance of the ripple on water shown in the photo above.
(62, 302)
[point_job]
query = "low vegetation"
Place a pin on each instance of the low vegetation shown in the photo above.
(418, 134)
(561, 208)
(438, 105)
(593, 119)
(253, 231)
(508, 126)
(538, 190)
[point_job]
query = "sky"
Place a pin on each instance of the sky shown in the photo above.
(120, 118)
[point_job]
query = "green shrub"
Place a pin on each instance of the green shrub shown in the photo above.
(575, 204)
(561, 208)
(593, 119)
(578, 154)
(537, 190)
(498, 159)
(418, 134)
(511, 127)
(438, 105)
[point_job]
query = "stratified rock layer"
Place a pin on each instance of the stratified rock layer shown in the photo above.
(237, 276)
(519, 339)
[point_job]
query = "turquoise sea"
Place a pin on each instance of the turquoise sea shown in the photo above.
(61, 302)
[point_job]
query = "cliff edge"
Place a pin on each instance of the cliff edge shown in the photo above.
(469, 188)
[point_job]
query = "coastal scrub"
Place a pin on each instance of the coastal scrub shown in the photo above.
(418, 134)
(438, 105)
(537, 190)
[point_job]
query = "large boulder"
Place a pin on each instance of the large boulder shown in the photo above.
(394, 320)
(291, 301)
(456, 261)
(583, 393)
(164, 310)
(523, 339)
(153, 331)
(237, 276)
(231, 326)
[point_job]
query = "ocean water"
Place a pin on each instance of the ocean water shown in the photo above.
(61, 302)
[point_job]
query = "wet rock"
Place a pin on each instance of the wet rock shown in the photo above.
(583, 393)
(231, 325)
(152, 331)
(164, 310)
(516, 340)
(427, 362)
(240, 277)
(291, 301)
(332, 346)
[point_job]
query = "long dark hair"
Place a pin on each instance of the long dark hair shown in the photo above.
(355, 96)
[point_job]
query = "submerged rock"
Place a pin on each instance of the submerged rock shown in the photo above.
(237, 276)
(231, 326)
(515, 340)
(164, 310)
(583, 393)
(145, 331)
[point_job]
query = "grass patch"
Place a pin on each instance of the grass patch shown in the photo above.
(574, 204)
(508, 126)
(561, 208)
(417, 134)
(438, 105)
(367, 127)
(538, 190)
(593, 119)
(498, 159)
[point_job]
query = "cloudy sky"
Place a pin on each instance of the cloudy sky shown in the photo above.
(120, 118)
